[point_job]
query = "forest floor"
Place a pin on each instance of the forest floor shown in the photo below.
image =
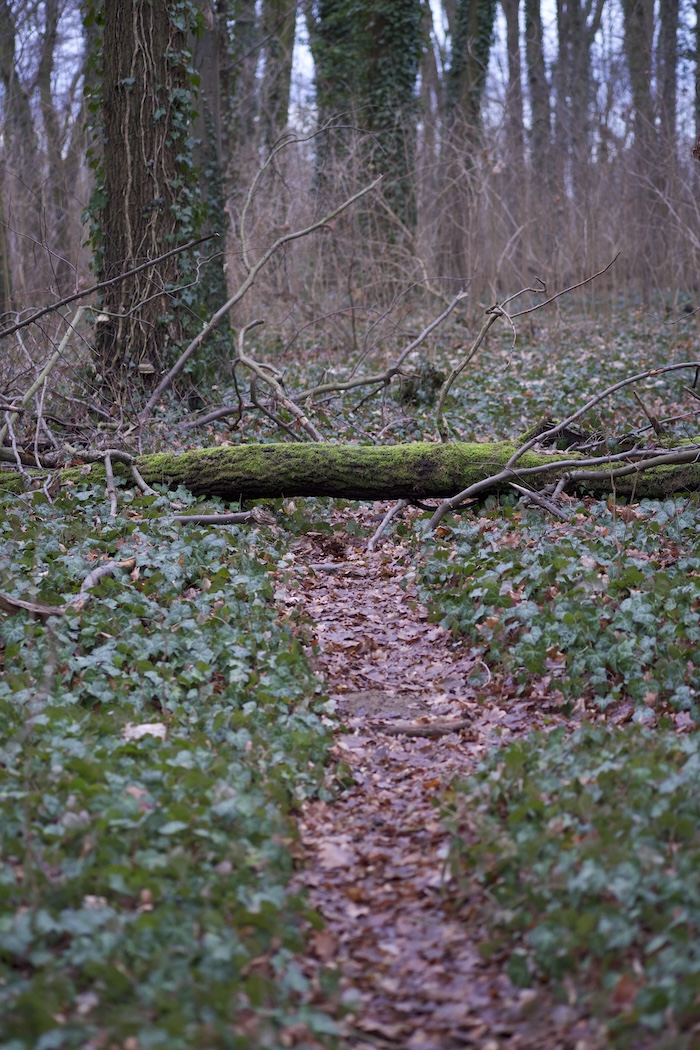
(403, 941)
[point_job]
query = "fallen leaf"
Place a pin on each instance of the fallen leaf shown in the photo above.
(335, 855)
(136, 732)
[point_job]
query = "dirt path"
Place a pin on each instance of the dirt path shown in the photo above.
(405, 946)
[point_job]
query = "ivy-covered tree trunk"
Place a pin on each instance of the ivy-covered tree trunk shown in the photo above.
(208, 47)
(367, 55)
(146, 198)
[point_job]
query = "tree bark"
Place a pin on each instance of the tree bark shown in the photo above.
(540, 134)
(21, 169)
(472, 30)
(145, 188)
(669, 11)
(638, 44)
(279, 30)
(422, 470)
(56, 202)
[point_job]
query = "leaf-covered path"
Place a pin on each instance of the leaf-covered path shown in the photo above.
(404, 943)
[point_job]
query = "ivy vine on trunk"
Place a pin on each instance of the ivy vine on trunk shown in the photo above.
(146, 198)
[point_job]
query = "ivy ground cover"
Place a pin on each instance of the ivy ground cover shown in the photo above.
(585, 847)
(152, 750)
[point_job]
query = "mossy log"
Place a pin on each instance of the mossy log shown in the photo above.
(421, 470)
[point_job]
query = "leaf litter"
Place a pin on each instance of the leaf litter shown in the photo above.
(404, 949)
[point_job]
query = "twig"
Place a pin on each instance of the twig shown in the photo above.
(111, 491)
(267, 375)
(655, 424)
(493, 314)
(437, 728)
(39, 421)
(242, 289)
(211, 417)
(499, 310)
(559, 488)
(46, 370)
(388, 517)
(257, 514)
(43, 612)
(103, 284)
(214, 519)
(663, 457)
(509, 470)
(140, 483)
(540, 500)
(389, 373)
(268, 412)
(596, 400)
(565, 291)
(16, 457)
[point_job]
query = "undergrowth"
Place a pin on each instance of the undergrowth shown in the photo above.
(144, 878)
(605, 605)
(588, 850)
(585, 847)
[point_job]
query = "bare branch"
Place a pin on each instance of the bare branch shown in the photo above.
(382, 378)
(102, 284)
(268, 375)
(392, 513)
(565, 291)
(44, 612)
(46, 371)
(243, 288)
(540, 500)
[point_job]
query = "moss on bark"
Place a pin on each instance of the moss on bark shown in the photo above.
(422, 470)
(408, 471)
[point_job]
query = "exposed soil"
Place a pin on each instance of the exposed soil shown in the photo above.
(401, 933)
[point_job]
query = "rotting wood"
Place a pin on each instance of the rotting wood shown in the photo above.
(411, 471)
(417, 470)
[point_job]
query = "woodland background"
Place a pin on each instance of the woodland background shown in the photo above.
(516, 141)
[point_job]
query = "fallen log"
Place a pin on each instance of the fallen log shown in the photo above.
(412, 471)
(421, 470)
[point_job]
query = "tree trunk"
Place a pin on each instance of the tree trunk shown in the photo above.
(638, 41)
(207, 49)
(515, 135)
(22, 172)
(668, 75)
(371, 472)
(696, 150)
(146, 109)
(367, 57)
(540, 134)
(472, 37)
(514, 96)
(239, 90)
(56, 202)
(278, 27)
(578, 22)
